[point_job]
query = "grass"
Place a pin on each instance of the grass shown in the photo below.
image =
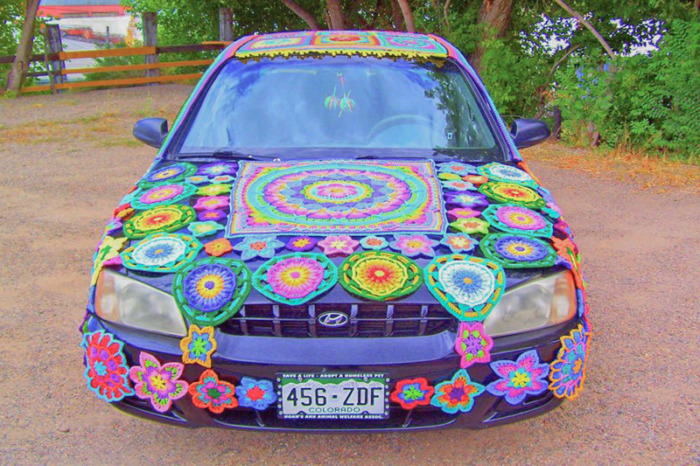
(645, 171)
(104, 129)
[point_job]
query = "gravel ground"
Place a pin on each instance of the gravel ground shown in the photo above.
(66, 161)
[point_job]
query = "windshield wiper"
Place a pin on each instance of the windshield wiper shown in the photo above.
(235, 155)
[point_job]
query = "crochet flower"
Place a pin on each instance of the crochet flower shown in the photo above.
(517, 219)
(568, 370)
(198, 346)
(466, 199)
(217, 168)
(475, 179)
(449, 176)
(159, 251)
(301, 243)
(211, 203)
(256, 394)
(114, 225)
(470, 283)
(211, 215)
(253, 247)
(213, 394)
(456, 394)
(414, 245)
(457, 168)
(471, 226)
(518, 251)
(462, 212)
(458, 185)
(213, 189)
(209, 286)
(204, 228)
(123, 211)
(501, 172)
(341, 245)
(161, 194)
(468, 287)
(198, 179)
(107, 250)
(410, 393)
(520, 378)
(165, 173)
(218, 247)
(209, 291)
(295, 277)
(373, 243)
(174, 172)
(473, 344)
(512, 193)
(222, 179)
(459, 242)
(158, 384)
(161, 218)
(106, 369)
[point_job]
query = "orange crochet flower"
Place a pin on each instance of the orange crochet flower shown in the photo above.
(218, 247)
(475, 179)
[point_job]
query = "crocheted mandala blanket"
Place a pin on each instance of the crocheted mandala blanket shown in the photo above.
(336, 197)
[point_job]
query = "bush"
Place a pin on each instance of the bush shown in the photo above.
(642, 101)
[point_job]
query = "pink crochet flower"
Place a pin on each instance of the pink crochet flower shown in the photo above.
(211, 203)
(341, 245)
(158, 383)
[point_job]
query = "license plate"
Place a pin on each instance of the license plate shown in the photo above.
(333, 396)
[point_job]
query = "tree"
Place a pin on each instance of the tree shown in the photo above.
(24, 48)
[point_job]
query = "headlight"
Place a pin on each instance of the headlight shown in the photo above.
(536, 304)
(129, 302)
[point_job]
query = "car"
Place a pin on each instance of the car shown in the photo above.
(337, 234)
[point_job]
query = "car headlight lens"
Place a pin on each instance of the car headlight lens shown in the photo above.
(121, 300)
(536, 304)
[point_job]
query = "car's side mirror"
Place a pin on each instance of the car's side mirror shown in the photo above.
(151, 131)
(527, 132)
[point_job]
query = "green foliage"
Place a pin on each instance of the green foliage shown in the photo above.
(11, 18)
(648, 101)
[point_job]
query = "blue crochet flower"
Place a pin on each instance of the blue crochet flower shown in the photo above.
(209, 287)
(457, 168)
(253, 247)
(256, 394)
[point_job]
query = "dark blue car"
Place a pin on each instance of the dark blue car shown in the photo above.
(338, 233)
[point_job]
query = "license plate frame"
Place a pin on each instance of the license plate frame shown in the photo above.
(333, 395)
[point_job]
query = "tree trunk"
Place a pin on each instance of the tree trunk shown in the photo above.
(302, 13)
(407, 15)
(24, 48)
(588, 26)
(335, 11)
(494, 16)
(396, 15)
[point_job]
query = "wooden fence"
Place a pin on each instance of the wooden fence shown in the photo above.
(152, 52)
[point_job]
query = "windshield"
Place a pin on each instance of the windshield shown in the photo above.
(279, 105)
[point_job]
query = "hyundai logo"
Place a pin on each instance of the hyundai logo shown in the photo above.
(332, 319)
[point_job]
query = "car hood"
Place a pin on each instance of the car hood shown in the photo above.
(406, 212)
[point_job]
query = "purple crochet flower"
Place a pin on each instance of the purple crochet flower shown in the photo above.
(211, 215)
(217, 168)
(414, 245)
(301, 243)
(520, 378)
(466, 199)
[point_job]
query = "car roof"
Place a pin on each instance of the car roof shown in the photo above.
(375, 43)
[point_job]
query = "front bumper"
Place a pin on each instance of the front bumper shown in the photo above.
(432, 357)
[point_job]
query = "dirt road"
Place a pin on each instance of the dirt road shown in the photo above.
(66, 162)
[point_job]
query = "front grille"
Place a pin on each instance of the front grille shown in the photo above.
(368, 320)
